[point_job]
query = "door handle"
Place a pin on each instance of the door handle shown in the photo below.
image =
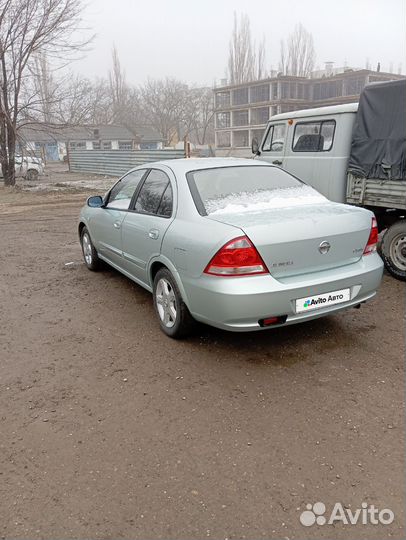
(277, 162)
(153, 233)
(116, 224)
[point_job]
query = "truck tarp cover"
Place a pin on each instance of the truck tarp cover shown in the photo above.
(378, 147)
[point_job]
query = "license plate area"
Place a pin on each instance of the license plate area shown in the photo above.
(319, 301)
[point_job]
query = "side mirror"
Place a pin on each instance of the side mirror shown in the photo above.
(95, 202)
(255, 146)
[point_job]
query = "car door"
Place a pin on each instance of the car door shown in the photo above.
(273, 147)
(310, 151)
(145, 225)
(105, 223)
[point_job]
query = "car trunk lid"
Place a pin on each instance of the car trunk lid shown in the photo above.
(304, 238)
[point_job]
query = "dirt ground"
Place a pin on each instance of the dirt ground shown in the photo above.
(108, 429)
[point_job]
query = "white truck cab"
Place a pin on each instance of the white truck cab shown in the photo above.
(353, 153)
(314, 145)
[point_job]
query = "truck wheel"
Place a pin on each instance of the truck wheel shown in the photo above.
(393, 249)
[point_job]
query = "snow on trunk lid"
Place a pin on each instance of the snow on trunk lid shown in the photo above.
(260, 200)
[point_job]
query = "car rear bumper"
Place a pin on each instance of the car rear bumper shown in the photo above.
(238, 303)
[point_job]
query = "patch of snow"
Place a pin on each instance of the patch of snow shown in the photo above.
(260, 200)
(99, 184)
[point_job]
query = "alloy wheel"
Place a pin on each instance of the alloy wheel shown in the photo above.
(166, 303)
(87, 249)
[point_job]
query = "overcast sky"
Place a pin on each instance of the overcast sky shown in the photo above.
(189, 39)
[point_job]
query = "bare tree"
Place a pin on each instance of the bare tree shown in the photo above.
(245, 63)
(260, 72)
(118, 89)
(27, 29)
(44, 86)
(297, 55)
(125, 99)
(189, 112)
(163, 104)
(39, 93)
(175, 110)
(68, 100)
(201, 129)
(82, 101)
(283, 60)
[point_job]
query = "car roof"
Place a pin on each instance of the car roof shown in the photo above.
(185, 165)
(319, 111)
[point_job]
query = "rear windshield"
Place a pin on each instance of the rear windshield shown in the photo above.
(247, 188)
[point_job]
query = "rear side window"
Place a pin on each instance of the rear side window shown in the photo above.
(275, 138)
(314, 136)
(165, 208)
(155, 196)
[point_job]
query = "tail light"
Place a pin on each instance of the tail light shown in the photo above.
(237, 258)
(373, 238)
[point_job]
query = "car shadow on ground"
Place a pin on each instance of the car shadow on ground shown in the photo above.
(282, 345)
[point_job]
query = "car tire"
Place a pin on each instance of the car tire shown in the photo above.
(393, 249)
(32, 175)
(173, 315)
(90, 255)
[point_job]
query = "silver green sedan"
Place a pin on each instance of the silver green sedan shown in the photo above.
(233, 243)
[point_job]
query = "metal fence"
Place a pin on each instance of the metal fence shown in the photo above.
(116, 162)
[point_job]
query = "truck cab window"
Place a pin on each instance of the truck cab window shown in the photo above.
(315, 136)
(327, 132)
(275, 138)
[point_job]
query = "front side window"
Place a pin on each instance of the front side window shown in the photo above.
(313, 136)
(155, 196)
(275, 138)
(122, 193)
